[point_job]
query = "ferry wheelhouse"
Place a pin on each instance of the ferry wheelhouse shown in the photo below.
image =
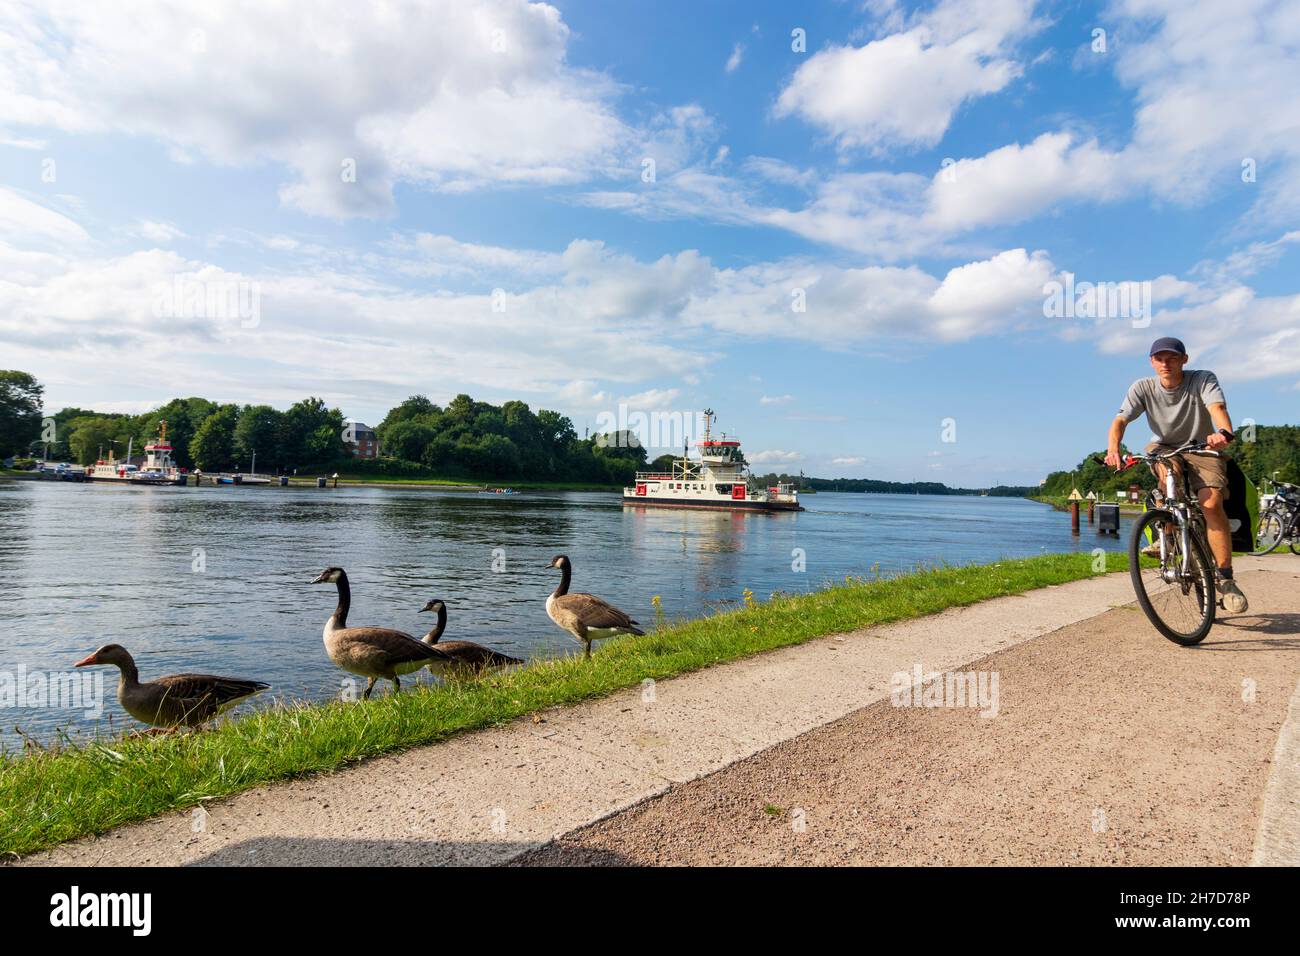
(158, 468)
(717, 479)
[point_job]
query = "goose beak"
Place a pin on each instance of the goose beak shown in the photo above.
(89, 660)
(318, 579)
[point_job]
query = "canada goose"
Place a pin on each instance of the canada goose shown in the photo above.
(181, 700)
(585, 616)
(467, 655)
(372, 652)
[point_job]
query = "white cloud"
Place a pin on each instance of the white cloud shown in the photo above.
(905, 87)
(737, 54)
(1016, 182)
(1226, 325)
(378, 87)
(775, 399)
(773, 456)
(26, 221)
(1204, 78)
(163, 232)
(843, 306)
(853, 460)
(427, 254)
(20, 142)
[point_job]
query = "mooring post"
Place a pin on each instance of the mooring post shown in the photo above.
(1091, 504)
(1074, 517)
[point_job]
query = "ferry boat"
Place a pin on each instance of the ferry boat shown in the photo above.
(159, 469)
(717, 479)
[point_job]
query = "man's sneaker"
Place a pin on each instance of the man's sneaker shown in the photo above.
(1233, 599)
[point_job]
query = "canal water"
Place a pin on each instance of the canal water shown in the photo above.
(215, 579)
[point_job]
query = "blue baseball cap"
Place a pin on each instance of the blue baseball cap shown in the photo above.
(1168, 344)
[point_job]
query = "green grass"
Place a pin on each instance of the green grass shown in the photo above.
(1062, 503)
(50, 796)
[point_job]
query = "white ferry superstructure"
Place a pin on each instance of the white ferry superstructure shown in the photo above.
(718, 479)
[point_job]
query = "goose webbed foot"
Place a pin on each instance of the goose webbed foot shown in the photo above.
(369, 688)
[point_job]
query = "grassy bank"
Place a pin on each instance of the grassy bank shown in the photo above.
(1062, 503)
(56, 795)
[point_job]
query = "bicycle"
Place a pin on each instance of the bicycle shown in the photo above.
(1280, 520)
(1177, 593)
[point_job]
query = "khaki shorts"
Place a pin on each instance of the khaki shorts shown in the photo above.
(1207, 470)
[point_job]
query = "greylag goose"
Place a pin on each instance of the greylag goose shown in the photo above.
(181, 700)
(466, 655)
(372, 652)
(585, 616)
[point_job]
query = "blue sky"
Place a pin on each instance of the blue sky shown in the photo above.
(920, 172)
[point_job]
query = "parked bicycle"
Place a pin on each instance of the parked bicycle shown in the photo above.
(1280, 521)
(1176, 591)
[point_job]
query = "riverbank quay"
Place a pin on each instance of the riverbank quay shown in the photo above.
(50, 796)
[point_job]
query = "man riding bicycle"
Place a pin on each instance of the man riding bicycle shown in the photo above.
(1181, 406)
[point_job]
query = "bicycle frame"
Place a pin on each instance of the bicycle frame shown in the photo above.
(1186, 512)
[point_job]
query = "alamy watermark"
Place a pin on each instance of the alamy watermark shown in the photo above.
(220, 299)
(946, 689)
(1098, 300)
(66, 690)
(648, 429)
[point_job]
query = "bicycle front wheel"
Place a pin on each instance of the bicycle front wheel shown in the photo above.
(1180, 603)
(1270, 533)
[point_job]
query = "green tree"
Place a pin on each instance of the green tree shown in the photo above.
(213, 445)
(408, 439)
(258, 430)
(312, 434)
(20, 411)
(91, 435)
(183, 417)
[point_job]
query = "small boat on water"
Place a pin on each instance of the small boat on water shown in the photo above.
(158, 469)
(241, 478)
(498, 491)
(718, 479)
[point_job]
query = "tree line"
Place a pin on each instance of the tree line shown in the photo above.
(478, 439)
(206, 435)
(1273, 454)
(878, 486)
(466, 439)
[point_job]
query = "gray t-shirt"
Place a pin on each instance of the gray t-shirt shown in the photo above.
(1175, 415)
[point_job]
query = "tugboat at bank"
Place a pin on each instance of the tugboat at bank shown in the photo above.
(718, 479)
(158, 469)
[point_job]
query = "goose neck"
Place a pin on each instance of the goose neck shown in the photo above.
(129, 673)
(345, 601)
(563, 587)
(439, 626)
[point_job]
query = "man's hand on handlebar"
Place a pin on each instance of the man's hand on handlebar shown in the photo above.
(1216, 441)
(1113, 460)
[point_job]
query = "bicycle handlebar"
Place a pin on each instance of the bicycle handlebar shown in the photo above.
(1195, 447)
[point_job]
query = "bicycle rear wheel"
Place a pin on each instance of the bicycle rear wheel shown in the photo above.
(1270, 533)
(1180, 604)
